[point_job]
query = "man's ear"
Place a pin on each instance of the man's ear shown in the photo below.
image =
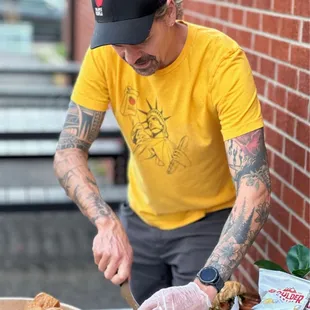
(170, 17)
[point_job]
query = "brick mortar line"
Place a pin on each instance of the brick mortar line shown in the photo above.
(250, 259)
(289, 56)
(260, 22)
(259, 249)
(301, 27)
(292, 7)
(281, 179)
(274, 243)
(252, 43)
(284, 134)
(282, 229)
(276, 106)
(275, 60)
(247, 276)
(244, 28)
(292, 90)
(283, 205)
(287, 159)
(249, 9)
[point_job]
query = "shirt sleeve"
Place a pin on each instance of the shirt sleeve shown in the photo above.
(90, 89)
(234, 96)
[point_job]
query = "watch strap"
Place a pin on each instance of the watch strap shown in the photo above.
(218, 283)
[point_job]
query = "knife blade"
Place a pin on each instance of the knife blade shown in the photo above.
(127, 295)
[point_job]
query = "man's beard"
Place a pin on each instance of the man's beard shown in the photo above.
(152, 67)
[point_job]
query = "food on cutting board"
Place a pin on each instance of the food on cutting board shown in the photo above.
(43, 301)
(225, 299)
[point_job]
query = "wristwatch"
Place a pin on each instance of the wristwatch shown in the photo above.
(211, 276)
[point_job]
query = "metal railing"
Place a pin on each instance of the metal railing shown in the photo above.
(35, 135)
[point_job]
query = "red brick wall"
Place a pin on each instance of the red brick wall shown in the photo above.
(84, 25)
(275, 36)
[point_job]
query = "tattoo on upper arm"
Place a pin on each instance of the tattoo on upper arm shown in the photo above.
(247, 158)
(81, 128)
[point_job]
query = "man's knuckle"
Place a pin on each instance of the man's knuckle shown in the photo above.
(108, 275)
(120, 278)
(115, 281)
(101, 268)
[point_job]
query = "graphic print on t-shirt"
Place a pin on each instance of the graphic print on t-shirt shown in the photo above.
(150, 136)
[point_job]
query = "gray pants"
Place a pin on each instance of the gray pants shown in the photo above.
(164, 258)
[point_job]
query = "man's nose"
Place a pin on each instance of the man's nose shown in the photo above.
(132, 54)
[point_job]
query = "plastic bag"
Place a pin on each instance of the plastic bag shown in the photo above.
(282, 291)
(236, 304)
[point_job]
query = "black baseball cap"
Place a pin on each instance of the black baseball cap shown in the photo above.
(123, 21)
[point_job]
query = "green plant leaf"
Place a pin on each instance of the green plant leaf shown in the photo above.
(301, 273)
(267, 264)
(298, 258)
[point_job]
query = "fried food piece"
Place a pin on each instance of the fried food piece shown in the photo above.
(46, 301)
(230, 290)
(31, 305)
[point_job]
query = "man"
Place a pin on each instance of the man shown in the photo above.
(186, 103)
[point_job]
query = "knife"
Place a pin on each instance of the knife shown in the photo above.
(127, 295)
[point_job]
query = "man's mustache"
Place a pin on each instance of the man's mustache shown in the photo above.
(144, 59)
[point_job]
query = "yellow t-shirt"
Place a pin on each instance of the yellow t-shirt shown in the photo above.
(175, 123)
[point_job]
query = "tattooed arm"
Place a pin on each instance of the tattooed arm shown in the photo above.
(111, 248)
(80, 130)
(247, 159)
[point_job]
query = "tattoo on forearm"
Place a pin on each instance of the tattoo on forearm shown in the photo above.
(237, 237)
(100, 207)
(248, 163)
(263, 211)
(80, 184)
(91, 181)
(65, 179)
(77, 196)
(93, 204)
(81, 128)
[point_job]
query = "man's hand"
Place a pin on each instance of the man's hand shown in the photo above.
(187, 297)
(112, 251)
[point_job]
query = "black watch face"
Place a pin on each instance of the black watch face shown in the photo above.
(208, 275)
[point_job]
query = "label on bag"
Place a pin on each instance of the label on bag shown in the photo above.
(282, 291)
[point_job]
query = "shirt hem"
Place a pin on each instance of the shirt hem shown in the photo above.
(227, 135)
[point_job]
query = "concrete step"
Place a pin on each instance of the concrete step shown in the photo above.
(53, 195)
